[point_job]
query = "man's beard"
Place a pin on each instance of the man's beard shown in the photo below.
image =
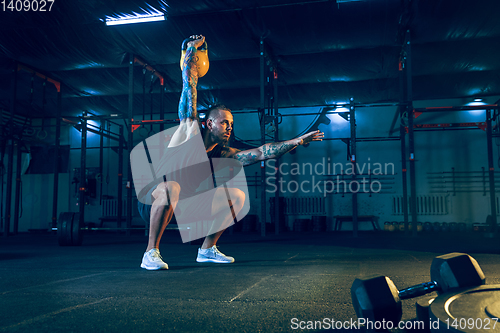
(222, 139)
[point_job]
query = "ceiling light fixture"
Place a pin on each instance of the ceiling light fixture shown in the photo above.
(135, 19)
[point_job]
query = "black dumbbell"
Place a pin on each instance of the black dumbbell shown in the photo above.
(376, 299)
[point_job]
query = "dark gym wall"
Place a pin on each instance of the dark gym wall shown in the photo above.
(436, 152)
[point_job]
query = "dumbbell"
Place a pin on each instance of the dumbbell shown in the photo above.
(376, 299)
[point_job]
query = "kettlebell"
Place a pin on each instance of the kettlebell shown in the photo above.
(201, 57)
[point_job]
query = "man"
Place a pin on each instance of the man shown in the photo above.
(166, 196)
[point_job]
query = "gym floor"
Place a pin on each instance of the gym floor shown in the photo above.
(99, 286)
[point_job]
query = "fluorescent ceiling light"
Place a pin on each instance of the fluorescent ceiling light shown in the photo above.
(135, 19)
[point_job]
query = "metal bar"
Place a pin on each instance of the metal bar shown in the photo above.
(352, 121)
(447, 125)
(465, 178)
(484, 182)
(469, 185)
(376, 139)
(83, 176)
(366, 139)
(112, 137)
(57, 84)
(102, 117)
(101, 160)
(78, 126)
(371, 105)
(55, 193)
(149, 68)
(491, 171)
(105, 147)
(105, 135)
(445, 129)
(10, 161)
(99, 129)
(104, 228)
(18, 189)
(411, 136)
(453, 180)
(130, 143)
(155, 121)
(328, 106)
(402, 130)
(162, 105)
(87, 228)
(402, 133)
(467, 172)
(262, 139)
(119, 189)
(277, 204)
(457, 108)
(130, 183)
(457, 191)
(397, 114)
(310, 114)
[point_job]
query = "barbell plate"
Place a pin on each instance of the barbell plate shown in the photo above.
(76, 231)
(422, 307)
(64, 226)
(493, 310)
(467, 310)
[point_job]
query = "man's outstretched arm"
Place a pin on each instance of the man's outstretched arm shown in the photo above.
(275, 149)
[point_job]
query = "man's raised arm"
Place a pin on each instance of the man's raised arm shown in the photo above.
(187, 103)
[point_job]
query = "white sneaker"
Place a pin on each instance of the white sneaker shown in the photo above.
(153, 261)
(213, 255)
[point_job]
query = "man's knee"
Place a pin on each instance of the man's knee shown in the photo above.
(167, 190)
(173, 189)
(237, 196)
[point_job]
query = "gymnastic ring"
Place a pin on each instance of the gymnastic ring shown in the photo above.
(42, 134)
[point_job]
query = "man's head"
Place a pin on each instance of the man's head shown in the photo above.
(219, 123)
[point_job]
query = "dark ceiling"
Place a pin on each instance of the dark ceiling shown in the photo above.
(325, 51)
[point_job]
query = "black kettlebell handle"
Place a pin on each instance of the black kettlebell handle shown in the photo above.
(187, 40)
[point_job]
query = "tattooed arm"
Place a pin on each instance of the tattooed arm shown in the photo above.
(187, 103)
(274, 149)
